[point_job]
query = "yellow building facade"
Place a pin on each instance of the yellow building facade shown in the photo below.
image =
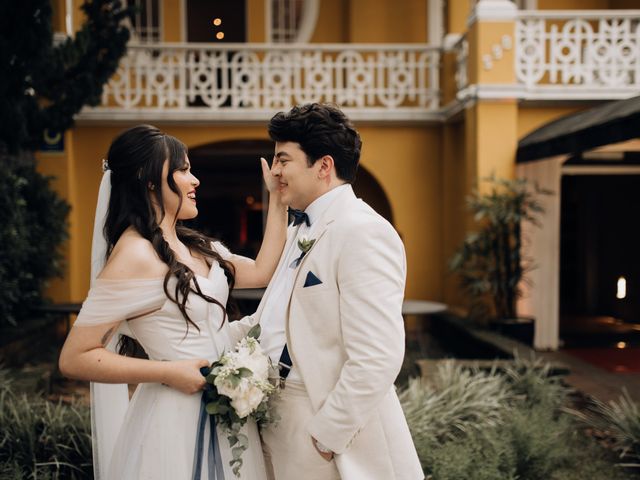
(441, 92)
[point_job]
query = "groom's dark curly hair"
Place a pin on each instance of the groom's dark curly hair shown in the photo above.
(320, 129)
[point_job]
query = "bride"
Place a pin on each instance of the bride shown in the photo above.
(166, 286)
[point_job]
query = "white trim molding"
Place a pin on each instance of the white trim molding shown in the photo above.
(435, 22)
(68, 17)
(493, 11)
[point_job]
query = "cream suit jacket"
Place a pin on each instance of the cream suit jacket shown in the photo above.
(346, 339)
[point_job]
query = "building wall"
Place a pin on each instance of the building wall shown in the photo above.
(531, 118)
(405, 161)
(425, 171)
(381, 21)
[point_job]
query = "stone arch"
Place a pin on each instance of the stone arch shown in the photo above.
(231, 196)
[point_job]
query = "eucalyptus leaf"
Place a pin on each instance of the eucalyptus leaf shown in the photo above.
(236, 452)
(243, 440)
(255, 331)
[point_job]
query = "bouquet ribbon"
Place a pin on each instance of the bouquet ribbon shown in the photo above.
(214, 458)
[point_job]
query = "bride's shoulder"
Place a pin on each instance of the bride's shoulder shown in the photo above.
(133, 257)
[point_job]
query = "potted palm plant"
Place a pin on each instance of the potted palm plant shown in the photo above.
(490, 262)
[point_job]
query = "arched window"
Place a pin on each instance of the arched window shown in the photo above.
(146, 21)
(291, 21)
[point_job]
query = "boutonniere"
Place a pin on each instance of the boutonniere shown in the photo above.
(304, 245)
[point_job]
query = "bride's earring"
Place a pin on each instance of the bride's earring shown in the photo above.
(151, 186)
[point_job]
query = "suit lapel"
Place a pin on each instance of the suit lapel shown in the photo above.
(332, 212)
(291, 235)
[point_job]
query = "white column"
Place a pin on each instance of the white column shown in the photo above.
(541, 295)
(68, 17)
(435, 22)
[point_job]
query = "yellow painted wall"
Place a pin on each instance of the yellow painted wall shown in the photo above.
(56, 165)
(256, 23)
(405, 160)
(457, 12)
(58, 16)
(382, 21)
(332, 25)
(531, 118)
(489, 35)
(172, 21)
(62, 167)
(90, 146)
(496, 138)
(454, 190)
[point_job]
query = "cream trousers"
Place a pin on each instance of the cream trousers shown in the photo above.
(288, 449)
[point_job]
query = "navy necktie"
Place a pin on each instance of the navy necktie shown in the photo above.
(298, 217)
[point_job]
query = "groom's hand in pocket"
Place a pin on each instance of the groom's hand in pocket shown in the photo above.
(322, 450)
(185, 375)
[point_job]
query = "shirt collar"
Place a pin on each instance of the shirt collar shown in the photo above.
(320, 204)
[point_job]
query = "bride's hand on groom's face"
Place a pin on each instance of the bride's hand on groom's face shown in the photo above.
(270, 180)
(185, 375)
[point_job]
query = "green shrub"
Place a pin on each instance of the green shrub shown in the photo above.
(474, 425)
(454, 403)
(32, 229)
(42, 439)
(618, 421)
(532, 382)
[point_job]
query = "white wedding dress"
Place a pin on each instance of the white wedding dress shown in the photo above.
(154, 436)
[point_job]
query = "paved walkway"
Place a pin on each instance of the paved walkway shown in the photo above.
(585, 377)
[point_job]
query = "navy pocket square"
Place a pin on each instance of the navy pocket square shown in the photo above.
(311, 280)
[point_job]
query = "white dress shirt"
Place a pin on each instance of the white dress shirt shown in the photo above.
(272, 321)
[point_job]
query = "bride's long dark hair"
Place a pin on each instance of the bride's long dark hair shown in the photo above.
(136, 158)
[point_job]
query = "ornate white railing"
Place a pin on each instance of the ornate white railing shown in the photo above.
(574, 52)
(250, 81)
(461, 51)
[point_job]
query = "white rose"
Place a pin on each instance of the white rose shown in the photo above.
(241, 406)
(258, 364)
(254, 396)
(224, 387)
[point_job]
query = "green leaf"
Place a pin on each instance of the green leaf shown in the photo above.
(243, 440)
(234, 380)
(255, 331)
(244, 372)
(236, 452)
(216, 409)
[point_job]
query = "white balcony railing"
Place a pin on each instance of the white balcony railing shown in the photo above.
(578, 53)
(251, 81)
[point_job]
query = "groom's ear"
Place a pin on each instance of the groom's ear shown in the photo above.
(326, 167)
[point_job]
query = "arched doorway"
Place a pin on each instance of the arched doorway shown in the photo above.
(231, 196)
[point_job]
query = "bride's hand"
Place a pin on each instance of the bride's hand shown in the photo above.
(185, 375)
(270, 180)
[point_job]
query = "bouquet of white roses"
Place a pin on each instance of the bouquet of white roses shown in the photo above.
(239, 390)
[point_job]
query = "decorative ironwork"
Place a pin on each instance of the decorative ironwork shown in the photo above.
(461, 50)
(595, 50)
(258, 78)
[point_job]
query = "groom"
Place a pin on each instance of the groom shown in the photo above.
(331, 316)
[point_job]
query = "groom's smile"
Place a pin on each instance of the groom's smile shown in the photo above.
(298, 182)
